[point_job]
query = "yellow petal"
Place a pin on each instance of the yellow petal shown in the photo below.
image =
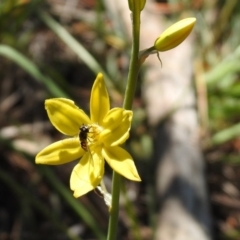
(99, 103)
(60, 152)
(65, 116)
(116, 125)
(121, 162)
(87, 174)
(174, 35)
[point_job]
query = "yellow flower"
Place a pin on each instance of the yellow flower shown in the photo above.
(92, 139)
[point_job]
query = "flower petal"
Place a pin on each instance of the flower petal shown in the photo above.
(60, 152)
(87, 174)
(116, 126)
(65, 116)
(121, 162)
(99, 103)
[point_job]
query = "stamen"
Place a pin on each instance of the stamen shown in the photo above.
(94, 132)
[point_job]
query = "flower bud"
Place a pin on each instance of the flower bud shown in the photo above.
(174, 35)
(141, 3)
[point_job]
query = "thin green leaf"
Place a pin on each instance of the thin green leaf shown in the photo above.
(32, 69)
(80, 50)
(226, 134)
(221, 70)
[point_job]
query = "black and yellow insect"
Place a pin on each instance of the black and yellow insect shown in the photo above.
(83, 136)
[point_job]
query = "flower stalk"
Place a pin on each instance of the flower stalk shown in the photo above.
(136, 8)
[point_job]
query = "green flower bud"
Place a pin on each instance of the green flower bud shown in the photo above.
(141, 3)
(174, 35)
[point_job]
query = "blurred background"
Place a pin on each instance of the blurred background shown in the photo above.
(185, 133)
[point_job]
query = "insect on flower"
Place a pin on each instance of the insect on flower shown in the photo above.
(83, 136)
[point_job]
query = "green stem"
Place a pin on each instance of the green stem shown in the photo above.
(113, 220)
(134, 62)
(128, 101)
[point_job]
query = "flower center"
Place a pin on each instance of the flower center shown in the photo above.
(89, 136)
